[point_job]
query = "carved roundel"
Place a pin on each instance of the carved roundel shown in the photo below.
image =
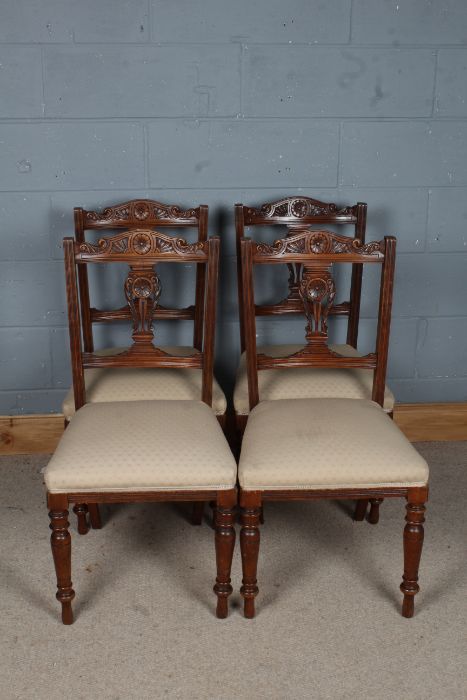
(299, 208)
(320, 243)
(142, 243)
(317, 289)
(142, 287)
(141, 211)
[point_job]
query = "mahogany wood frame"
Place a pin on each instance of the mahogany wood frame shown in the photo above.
(141, 249)
(141, 213)
(134, 214)
(317, 250)
(302, 211)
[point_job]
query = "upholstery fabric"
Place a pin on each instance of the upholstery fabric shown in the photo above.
(144, 384)
(307, 382)
(142, 446)
(326, 443)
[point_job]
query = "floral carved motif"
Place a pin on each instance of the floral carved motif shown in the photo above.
(142, 292)
(140, 210)
(299, 208)
(317, 291)
(308, 241)
(141, 242)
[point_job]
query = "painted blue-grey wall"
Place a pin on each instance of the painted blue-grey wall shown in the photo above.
(210, 101)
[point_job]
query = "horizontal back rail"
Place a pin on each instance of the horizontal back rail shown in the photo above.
(144, 245)
(137, 213)
(304, 209)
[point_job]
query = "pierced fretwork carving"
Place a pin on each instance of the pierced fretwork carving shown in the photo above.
(141, 242)
(142, 291)
(308, 241)
(299, 208)
(139, 210)
(317, 291)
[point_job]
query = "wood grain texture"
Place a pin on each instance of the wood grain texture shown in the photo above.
(37, 434)
(432, 421)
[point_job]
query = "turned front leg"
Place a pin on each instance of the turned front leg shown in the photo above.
(413, 543)
(60, 541)
(249, 545)
(225, 543)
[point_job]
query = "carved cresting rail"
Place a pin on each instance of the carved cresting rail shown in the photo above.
(300, 207)
(141, 249)
(312, 253)
(139, 212)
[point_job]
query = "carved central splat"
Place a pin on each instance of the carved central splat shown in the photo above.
(317, 291)
(142, 291)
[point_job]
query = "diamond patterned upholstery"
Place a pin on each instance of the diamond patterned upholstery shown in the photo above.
(142, 446)
(326, 444)
(306, 383)
(144, 384)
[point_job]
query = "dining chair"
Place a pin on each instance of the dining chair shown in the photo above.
(106, 384)
(308, 382)
(331, 448)
(146, 450)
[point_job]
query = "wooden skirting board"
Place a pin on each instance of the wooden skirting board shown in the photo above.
(39, 434)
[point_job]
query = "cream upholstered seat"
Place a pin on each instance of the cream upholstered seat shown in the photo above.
(142, 446)
(307, 382)
(326, 444)
(139, 384)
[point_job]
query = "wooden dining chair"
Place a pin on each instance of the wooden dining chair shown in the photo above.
(146, 450)
(308, 382)
(333, 448)
(106, 384)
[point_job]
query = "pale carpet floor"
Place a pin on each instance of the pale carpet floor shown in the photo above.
(328, 623)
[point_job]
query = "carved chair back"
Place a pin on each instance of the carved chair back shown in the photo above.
(142, 250)
(135, 214)
(314, 252)
(303, 211)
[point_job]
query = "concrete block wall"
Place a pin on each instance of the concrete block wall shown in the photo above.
(209, 101)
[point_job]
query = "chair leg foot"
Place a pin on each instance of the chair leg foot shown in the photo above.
(413, 543)
(81, 512)
(197, 513)
(373, 515)
(60, 541)
(94, 516)
(249, 545)
(360, 510)
(225, 543)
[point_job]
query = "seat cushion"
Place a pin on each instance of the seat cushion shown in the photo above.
(142, 446)
(326, 444)
(307, 382)
(140, 384)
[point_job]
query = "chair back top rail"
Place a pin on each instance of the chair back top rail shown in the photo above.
(304, 210)
(314, 252)
(137, 213)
